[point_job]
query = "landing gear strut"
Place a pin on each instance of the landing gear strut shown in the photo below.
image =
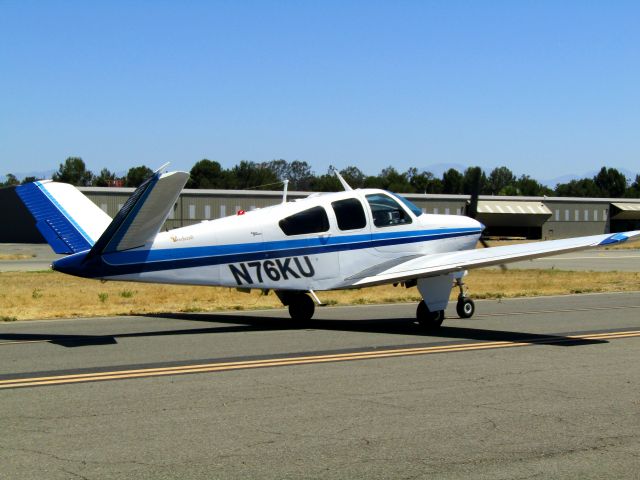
(465, 306)
(429, 320)
(301, 306)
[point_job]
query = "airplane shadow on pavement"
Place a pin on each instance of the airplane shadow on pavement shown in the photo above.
(249, 323)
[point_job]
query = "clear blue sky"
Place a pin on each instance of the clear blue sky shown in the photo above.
(543, 87)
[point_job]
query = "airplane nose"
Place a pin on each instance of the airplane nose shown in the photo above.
(469, 222)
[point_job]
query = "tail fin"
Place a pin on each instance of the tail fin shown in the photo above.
(68, 220)
(142, 216)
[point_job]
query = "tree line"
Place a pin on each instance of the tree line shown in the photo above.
(608, 182)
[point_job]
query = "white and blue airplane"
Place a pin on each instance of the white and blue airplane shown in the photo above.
(329, 241)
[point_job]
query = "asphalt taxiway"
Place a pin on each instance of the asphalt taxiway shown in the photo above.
(586, 260)
(543, 387)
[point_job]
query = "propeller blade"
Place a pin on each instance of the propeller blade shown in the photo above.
(485, 244)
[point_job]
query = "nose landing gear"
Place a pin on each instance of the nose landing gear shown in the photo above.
(465, 306)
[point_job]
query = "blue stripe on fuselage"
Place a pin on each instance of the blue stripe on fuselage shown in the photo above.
(139, 261)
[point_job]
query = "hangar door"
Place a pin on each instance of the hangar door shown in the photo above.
(508, 218)
(624, 216)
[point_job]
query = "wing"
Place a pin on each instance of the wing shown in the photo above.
(443, 263)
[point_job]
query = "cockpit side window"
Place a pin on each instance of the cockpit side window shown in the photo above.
(410, 205)
(386, 211)
(349, 213)
(313, 220)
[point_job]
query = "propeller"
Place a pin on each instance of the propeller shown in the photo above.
(471, 208)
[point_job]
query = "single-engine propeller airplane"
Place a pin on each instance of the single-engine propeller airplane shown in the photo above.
(348, 239)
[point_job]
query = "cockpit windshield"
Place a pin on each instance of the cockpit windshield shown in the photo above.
(415, 210)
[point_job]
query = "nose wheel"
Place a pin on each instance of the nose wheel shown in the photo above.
(465, 306)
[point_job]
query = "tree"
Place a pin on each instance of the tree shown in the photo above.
(611, 182)
(475, 181)
(395, 181)
(251, 175)
(297, 172)
(585, 187)
(206, 174)
(137, 175)
(326, 183)
(532, 188)
(104, 179)
(10, 181)
(423, 182)
(452, 182)
(435, 186)
(300, 175)
(634, 189)
(73, 171)
(353, 176)
(280, 168)
(499, 178)
(510, 191)
(29, 180)
(374, 181)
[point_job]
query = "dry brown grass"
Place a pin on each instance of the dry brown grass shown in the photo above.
(42, 295)
(15, 256)
(625, 246)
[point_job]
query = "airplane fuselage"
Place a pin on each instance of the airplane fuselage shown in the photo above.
(321, 242)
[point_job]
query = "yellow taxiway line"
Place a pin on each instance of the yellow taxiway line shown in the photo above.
(301, 360)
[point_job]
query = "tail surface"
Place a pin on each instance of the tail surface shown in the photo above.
(68, 220)
(135, 226)
(142, 216)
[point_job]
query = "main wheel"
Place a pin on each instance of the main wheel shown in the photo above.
(427, 319)
(301, 307)
(465, 307)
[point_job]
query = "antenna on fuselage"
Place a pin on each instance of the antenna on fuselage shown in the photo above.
(284, 192)
(344, 183)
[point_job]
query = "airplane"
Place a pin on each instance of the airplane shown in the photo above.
(326, 241)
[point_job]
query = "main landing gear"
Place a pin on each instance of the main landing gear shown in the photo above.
(427, 319)
(301, 306)
(436, 291)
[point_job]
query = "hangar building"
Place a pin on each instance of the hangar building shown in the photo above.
(528, 217)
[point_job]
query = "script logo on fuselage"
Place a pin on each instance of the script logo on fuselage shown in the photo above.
(183, 238)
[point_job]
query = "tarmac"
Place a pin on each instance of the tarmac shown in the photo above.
(529, 388)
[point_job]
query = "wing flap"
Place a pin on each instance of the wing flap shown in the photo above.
(442, 263)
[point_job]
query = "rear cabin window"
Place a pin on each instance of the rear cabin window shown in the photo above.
(386, 211)
(314, 220)
(349, 213)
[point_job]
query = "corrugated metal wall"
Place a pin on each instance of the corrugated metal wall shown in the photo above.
(570, 217)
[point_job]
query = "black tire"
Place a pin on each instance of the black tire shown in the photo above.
(465, 308)
(301, 307)
(427, 319)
